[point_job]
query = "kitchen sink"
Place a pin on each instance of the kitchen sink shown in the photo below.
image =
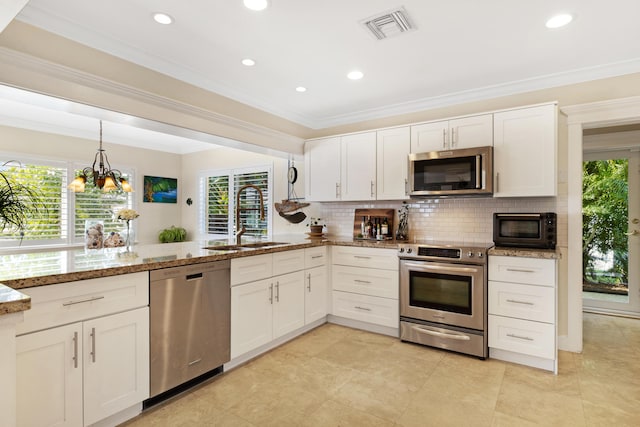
(244, 246)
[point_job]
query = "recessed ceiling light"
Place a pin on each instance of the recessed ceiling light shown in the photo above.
(355, 75)
(301, 89)
(256, 4)
(558, 21)
(248, 62)
(162, 18)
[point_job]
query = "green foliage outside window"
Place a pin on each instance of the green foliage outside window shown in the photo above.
(604, 219)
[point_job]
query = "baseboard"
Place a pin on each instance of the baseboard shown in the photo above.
(120, 417)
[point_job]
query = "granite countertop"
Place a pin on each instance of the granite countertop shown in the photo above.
(525, 252)
(38, 268)
(29, 269)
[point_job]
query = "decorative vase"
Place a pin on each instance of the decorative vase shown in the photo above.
(127, 242)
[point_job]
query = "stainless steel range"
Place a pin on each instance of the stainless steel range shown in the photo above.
(443, 296)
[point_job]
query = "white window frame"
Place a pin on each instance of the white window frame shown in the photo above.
(203, 185)
(68, 238)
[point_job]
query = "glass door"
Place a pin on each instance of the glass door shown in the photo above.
(611, 231)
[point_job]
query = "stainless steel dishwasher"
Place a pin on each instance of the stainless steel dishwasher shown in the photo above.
(190, 332)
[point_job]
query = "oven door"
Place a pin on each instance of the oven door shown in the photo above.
(451, 294)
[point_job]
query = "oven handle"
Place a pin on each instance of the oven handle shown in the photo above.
(432, 266)
(450, 335)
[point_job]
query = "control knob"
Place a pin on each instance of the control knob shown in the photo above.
(409, 250)
(470, 254)
(401, 250)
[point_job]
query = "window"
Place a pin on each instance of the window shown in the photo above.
(61, 221)
(219, 192)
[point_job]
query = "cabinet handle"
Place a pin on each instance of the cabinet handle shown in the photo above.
(337, 190)
(372, 189)
(406, 187)
(66, 304)
(75, 350)
(497, 182)
(362, 308)
(515, 301)
(444, 138)
(453, 137)
(93, 344)
(317, 256)
(361, 257)
(519, 337)
(271, 293)
(520, 270)
(362, 281)
(309, 282)
(277, 291)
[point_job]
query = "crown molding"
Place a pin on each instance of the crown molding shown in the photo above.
(41, 66)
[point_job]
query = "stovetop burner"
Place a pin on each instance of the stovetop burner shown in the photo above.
(445, 251)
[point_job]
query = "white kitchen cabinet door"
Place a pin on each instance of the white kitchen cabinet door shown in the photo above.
(116, 363)
(49, 377)
(358, 173)
(251, 316)
(322, 170)
(464, 132)
(288, 303)
(392, 151)
(525, 152)
(316, 294)
(430, 137)
(468, 132)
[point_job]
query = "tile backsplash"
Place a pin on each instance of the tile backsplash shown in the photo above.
(467, 220)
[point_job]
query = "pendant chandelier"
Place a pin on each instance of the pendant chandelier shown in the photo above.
(104, 177)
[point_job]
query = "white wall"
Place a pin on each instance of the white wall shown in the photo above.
(153, 216)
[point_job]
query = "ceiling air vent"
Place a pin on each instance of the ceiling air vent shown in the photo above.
(388, 24)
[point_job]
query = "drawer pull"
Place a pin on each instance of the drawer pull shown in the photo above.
(362, 281)
(362, 308)
(450, 335)
(316, 256)
(520, 270)
(66, 304)
(361, 257)
(519, 337)
(515, 301)
(75, 350)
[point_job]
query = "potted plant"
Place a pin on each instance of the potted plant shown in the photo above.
(316, 225)
(17, 203)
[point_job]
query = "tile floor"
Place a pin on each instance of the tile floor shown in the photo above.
(336, 376)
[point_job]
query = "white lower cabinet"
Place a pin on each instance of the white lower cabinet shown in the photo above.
(265, 307)
(82, 353)
(84, 372)
(315, 296)
(522, 311)
(49, 378)
(365, 285)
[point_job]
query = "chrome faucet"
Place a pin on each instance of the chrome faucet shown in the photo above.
(239, 225)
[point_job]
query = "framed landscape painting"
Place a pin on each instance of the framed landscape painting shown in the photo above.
(160, 190)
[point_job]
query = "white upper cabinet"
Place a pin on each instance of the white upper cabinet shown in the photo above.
(358, 170)
(322, 169)
(393, 146)
(525, 152)
(464, 132)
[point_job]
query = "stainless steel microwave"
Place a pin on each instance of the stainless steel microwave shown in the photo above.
(463, 172)
(525, 230)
